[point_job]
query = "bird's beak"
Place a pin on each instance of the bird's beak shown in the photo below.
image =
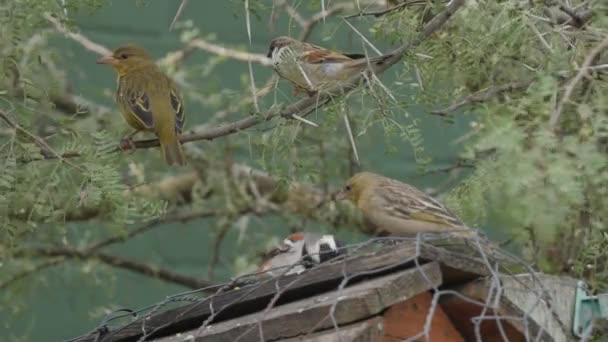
(340, 195)
(106, 60)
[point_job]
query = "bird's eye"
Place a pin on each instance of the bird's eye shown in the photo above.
(123, 56)
(348, 187)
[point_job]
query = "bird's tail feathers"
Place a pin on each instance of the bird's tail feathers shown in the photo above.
(171, 148)
(173, 154)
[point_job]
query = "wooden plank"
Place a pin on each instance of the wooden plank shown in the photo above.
(254, 298)
(520, 298)
(407, 320)
(355, 303)
(366, 331)
(556, 317)
(325, 277)
(457, 264)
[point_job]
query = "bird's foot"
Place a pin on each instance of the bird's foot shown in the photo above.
(296, 91)
(127, 145)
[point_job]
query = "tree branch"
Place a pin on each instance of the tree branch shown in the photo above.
(44, 147)
(173, 57)
(84, 41)
(230, 53)
(180, 9)
(310, 24)
(460, 164)
(175, 217)
(480, 96)
(305, 106)
(118, 262)
(25, 273)
(92, 248)
(569, 88)
(388, 10)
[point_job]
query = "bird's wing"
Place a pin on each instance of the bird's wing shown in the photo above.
(317, 55)
(407, 202)
(138, 103)
(178, 108)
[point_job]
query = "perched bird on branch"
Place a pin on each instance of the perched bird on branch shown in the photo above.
(312, 68)
(148, 99)
(392, 207)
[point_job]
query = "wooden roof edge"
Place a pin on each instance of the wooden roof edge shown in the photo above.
(455, 266)
(545, 302)
(356, 303)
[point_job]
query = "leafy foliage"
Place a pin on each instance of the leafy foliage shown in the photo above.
(540, 166)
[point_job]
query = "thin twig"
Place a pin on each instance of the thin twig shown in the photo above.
(119, 262)
(388, 10)
(84, 41)
(569, 88)
(94, 247)
(460, 164)
(351, 138)
(176, 217)
(215, 255)
(292, 12)
(173, 57)
(579, 18)
(480, 96)
(231, 53)
(25, 273)
(180, 9)
(45, 148)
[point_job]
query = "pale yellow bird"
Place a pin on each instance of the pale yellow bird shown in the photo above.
(396, 208)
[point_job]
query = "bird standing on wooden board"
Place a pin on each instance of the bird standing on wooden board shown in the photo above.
(299, 251)
(148, 99)
(312, 68)
(390, 206)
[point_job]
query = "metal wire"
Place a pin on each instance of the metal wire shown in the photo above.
(494, 260)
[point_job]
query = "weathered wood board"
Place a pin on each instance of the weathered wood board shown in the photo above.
(522, 302)
(455, 268)
(366, 331)
(352, 304)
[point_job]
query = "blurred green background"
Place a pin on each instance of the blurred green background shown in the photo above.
(71, 299)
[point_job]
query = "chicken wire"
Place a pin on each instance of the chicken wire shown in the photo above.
(498, 265)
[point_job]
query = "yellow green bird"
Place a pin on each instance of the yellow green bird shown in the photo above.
(149, 99)
(390, 206)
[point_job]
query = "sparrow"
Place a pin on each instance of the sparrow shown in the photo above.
(298, 252)
(312, 68)
(390, 207)
(148, 99)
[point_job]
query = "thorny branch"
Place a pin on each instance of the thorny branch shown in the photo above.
(302, 107)
(388, 10)
(29, 271)
(180, 9)
(307, 25)
(569, 88)
(234, 54)
(91, 252)
(116, 261)
(480, 96)
(84, 41)
(45, 148)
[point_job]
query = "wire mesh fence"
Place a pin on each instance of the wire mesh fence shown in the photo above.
(306, 298)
